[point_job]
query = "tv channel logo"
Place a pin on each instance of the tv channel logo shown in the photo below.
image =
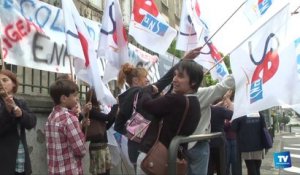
(282, 160)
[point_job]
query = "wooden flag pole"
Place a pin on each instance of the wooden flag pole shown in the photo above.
(224, 23)
(71, 67)
(2, 57)
(88, 114)
(215, 64)
(208, 40)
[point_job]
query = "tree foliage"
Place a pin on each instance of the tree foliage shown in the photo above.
(172, 50)
(284, 119)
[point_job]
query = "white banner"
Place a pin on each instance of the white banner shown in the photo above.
(139, 57)
(32, 34)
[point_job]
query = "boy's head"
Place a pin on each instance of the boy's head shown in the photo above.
(65, 93)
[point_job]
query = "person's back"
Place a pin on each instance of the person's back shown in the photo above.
(64, 139)
(136, 78)
(249, 134)
(218, 115)
(248, 131)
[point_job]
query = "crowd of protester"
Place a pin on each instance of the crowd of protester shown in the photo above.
(67, 125)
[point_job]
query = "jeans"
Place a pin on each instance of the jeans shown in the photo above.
(198, 157)
(233, 167)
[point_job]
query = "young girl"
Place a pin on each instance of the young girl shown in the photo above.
(100, 158)
(136, 78)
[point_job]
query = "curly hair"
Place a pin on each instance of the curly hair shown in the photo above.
(128, 72)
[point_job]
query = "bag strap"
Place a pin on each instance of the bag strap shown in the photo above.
(184, 114)
(181, 122)
(136, 97)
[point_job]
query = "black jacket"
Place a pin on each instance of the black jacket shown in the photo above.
(249, 133)
(106, 118)
(10, 138)
(126, 107)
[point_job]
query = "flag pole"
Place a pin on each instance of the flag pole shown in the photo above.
(215, 64)
(208, 40)
(295, 12)
(224, 23)
(2, 57)
(71, 67)
(243, 41)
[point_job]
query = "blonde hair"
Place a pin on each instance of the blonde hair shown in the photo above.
(128, 72)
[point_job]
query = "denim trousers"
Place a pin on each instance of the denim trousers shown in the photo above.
(233, 166)
(198, 157)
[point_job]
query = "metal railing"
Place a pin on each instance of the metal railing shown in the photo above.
(37, 82)
(177, 140)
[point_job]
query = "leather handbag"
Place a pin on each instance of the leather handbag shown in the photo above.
(137, 125)
(96, 130)
(156, 160)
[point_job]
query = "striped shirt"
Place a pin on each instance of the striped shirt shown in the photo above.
(65, 142)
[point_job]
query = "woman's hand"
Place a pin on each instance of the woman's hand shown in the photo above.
(12, 107)
(86, 108)
(192, 54)
(85, 122)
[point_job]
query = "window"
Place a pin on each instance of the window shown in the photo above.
(165, 2)
(97, 3)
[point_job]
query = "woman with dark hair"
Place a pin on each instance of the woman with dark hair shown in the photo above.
(170, 108)
(15, 117)
(100, 157)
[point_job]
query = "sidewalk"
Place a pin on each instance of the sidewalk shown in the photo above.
(267, 167)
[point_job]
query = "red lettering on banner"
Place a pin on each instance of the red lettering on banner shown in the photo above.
(17, 31)
(144, 5)
(20, 26)
(4, 53)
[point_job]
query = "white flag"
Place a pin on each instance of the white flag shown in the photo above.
(264, 68)
(254, 9)
(86, 67)
(194, 32)
(113, 40)
(196, 15)
(187, 37)
(148, 27)
(210, 57)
